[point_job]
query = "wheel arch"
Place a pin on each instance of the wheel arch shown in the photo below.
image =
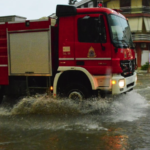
(77, 74)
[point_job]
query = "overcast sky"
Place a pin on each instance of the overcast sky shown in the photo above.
(31, 9)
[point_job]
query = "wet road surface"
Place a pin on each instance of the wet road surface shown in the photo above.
(114, 123)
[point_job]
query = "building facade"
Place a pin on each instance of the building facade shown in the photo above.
(138, 14)
(12, 18)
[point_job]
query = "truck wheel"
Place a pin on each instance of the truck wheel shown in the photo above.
(76, 92)
(1, 94)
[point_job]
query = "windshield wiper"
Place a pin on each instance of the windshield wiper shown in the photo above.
(122, 41)
(125, 43)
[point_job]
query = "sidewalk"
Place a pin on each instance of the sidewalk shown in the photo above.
(142, 72)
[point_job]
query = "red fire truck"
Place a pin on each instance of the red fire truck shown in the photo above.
(86, 51)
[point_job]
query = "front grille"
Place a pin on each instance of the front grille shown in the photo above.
(128, 67)
(131, 84)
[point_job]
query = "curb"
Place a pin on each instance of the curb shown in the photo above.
(142, 72)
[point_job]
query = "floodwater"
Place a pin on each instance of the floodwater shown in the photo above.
(43, 123)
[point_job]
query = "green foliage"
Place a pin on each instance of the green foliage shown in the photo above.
(145, 66)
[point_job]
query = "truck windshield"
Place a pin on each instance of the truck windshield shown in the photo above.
(121, 34)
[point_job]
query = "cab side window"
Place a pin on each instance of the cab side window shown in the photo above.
(89, 30)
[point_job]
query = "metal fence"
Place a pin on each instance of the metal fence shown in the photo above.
(129, 10)
(141, 37)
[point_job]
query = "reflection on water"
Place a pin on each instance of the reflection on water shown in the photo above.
(43, 123)
(118, 142)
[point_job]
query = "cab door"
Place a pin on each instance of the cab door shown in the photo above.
(92, 43)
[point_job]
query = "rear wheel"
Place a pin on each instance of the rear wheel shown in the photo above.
(77, 91)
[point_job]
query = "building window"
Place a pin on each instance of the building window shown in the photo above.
(146, 2)
(125, 3)
(88, 30)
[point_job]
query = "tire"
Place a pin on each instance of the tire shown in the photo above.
(102, 94)
(1, 94)
(76, 91)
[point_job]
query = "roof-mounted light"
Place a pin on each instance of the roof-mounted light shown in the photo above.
(100, 5)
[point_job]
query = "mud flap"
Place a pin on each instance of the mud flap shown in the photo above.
(1, 93)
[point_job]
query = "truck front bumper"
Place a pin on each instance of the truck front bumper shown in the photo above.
(129, 83)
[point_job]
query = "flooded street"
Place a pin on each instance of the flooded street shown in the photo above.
(114, 123)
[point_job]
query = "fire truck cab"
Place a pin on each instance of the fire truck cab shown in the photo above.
(95, 49)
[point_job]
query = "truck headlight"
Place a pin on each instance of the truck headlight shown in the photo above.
(121, 83)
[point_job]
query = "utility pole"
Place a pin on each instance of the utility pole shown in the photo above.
(148, 70)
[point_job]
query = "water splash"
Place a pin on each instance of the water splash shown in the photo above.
(65, 114)
(120, 108)
(128, 107)
(143, 89)
(5, 111)
(43, 105)
(48, 105)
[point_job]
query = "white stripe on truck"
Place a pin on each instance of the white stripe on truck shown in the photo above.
(3, 65)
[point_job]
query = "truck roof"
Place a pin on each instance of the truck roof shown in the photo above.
(67, 10)
(52, 21)
(98, 10)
